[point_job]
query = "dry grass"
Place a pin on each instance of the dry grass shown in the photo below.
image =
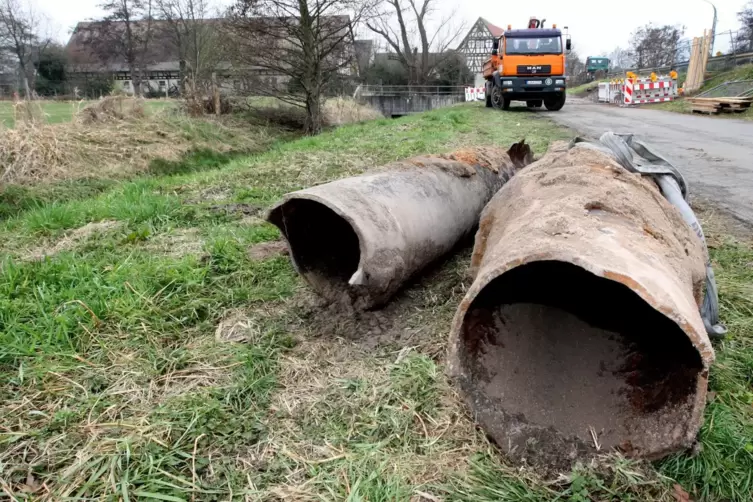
(70, 240)
(28, 112)
(335, 112)
(341, 111)
(112, 108)
(112, 139)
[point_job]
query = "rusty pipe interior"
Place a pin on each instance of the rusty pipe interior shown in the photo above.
(561, 348)
(323, 244)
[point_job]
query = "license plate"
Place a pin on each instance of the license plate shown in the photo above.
(531, 82)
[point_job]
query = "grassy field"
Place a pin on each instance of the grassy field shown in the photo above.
(155, 346)
(62, 111)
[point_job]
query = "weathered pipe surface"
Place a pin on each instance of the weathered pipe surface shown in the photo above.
(581, 331)
(361, 238)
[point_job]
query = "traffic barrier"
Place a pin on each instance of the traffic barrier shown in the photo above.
(638, 91)
(475, 93)
(611, 92)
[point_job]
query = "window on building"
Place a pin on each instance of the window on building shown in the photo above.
(127, 84)
(162, 85)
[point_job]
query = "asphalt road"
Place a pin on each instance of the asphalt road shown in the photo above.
(714, 154)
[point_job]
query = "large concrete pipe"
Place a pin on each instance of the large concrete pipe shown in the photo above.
(359, 239)
(581, 332)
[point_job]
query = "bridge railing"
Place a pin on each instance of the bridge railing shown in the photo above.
(412, 90)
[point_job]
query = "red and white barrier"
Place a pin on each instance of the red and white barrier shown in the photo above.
(475, 94)
(641, 91)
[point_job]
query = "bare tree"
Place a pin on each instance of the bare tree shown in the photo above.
(123, 35)
(410, 31)
(20, 35)
(744, 39)
(297, 47)
(576, 68)
(656, 46)
(619, 59)
(193, 34)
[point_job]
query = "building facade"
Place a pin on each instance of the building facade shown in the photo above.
(477, 44)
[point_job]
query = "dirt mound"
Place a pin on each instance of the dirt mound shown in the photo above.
(266, 250)
(112, 108)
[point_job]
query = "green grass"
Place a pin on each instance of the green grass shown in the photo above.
(583, 88)
(153, 359)
(57, 112)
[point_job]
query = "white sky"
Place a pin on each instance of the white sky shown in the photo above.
(595, 26)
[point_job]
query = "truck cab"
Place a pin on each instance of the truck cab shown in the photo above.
(527, 65)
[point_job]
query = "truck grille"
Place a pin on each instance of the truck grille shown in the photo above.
(543, 69)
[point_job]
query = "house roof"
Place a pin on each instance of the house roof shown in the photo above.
(495, 30)
(161, 54)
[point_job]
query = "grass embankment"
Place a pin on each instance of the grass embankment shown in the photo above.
(584, 89)
(744, 72)
(160, 353)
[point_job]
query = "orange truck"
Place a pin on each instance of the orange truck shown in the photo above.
(527, 65)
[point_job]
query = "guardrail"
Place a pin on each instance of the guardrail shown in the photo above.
(413, 90)
(683, 64)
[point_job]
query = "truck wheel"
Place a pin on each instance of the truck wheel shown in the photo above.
(555, 103)
(488, 92)
(506, 103)
(497, 100)
(536, 103)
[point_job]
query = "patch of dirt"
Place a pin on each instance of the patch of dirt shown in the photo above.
(718, 224)
(418, 316)
(70, 240)
(235, 326)
(246, 210)
(177, 243)
(266, 250)
(215, 194)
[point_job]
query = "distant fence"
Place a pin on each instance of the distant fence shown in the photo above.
(733, 50)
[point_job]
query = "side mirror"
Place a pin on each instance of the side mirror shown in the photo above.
(569, 44)
(495, 52)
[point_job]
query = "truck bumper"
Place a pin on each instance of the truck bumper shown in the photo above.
(533, 87)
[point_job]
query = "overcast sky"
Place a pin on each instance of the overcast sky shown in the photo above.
(595, 26)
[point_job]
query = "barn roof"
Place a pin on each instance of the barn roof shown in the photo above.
(495, 30)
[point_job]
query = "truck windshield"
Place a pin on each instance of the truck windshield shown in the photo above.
(547, 45)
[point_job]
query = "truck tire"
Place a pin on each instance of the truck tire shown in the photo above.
(497, 99)
(536, 103)
(488, 93)
(506, 103)
(555, 103)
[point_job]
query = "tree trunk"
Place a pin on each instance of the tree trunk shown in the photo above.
(25, 81)
(182, 77)
(313, 123)
(136, 80)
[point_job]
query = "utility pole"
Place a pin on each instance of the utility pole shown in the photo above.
(713, 27)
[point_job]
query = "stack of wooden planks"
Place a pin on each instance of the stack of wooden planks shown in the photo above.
(699, 58)
(720, 105)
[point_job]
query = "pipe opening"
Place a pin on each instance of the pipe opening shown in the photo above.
(323, 245)
(549, 346)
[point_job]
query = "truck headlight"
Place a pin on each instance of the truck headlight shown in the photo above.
(559, 81)
(507, 82)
